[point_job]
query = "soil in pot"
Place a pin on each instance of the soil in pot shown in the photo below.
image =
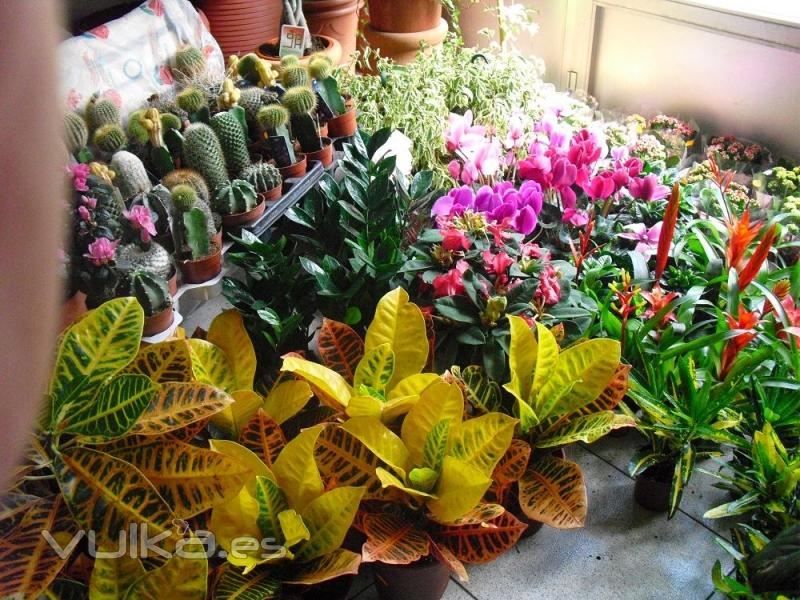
(204, 269)
(425, 579)
(408, 16)
(234, 223)
(159, 322)
(325, 156)
(652, 487)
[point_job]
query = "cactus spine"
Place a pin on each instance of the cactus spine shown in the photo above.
(233, 139)
(192, 100)
(76, 134)
(184, 199)
(170, 121)
(262, 176)
(154, 258)
(101, 111)
(236, 197)
(302, 102)
(203, 153)
(151, 291)
(188, 177)
(294, 76)
(110, 138)
(191, 222)
(131, 176)
(189, 63)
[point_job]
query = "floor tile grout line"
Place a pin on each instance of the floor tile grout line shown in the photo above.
(465, 590)
(680, 510)
(361, 592)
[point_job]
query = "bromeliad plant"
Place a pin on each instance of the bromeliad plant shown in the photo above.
(111, 451)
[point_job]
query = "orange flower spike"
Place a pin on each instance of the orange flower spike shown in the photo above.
(668, 230)
(740, 234)
(746, 321)
(753, 266)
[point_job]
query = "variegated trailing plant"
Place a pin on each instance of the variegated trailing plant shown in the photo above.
(111, 451)
(560, 397)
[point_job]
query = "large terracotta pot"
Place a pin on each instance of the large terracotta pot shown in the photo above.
(404, 16)
(332, 49)
(335, 18)
(241, 25)
(403, 47)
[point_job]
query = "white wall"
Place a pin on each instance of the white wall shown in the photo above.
(733, 74)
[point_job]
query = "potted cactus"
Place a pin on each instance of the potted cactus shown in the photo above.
(153, 295)
(104, 123)
(194, 102)
(76, 136)
(273, 120)
(342, 119)
(146, 128)
(301, 102)
(230, 128)
(238, 203)
(203, 153)
(199, 255)
(266, 180)
(141, 252)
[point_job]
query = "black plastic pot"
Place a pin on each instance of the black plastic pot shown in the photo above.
(652, 487)
(425, 579)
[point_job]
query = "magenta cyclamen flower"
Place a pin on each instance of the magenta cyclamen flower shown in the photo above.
(647, 188)
(141, 219)
(79, 173)
(89, 202)
(102, 251)
(647, 238)
(84, 213)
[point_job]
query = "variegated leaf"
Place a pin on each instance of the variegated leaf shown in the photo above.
(479, 542)
(92, 350)
(449, 560)
(613, 394)
(513, 464)
(261, 584)
(116, 407)
(481, 392)
(264, 437)
(328, 518)
(29, 562)
(376, 369)
(287, 399)
(232, 419)
(177, 405)
(482, 513)
(293, 528)
(436, 445)
(340, 348)
(580, 428)
(552, 491)
(190, 479)
(330, 566)
(393, 540)
(180, 578)
(211, 365)
(482, 441)
(164, 362)
(271, 503)
(65, 589)
(111, 577)
(228, 333)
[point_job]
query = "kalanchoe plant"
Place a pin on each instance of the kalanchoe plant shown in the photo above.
(734, 153)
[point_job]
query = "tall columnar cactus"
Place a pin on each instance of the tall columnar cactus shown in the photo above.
(150, 257)
(188, 177)
(302, 102)
(236, 197)
(262, 176)
(191, 223)
(151, 291)
(294, 76)
(101, 111)
(131, 176)
(203, 153)
(273, 119)
(76, 134)
(110, 138)
(188, 63)
(233, 139)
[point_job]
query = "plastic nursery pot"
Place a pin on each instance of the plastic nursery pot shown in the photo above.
(217, 239)
(651, 490)
(322, 43)
(158, 322)
(407, 16)
(344, 125)
(323, 130)
(325, 156)
(172, 282)
(425, 579)
(335, 18)
(236, 221)
(204, 269)
(270, 196)
(298, 169)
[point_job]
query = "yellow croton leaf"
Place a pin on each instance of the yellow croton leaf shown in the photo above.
(287, 399)
(211, 365)
(400, 324)
(482, 441)
(389, 480)
(522, 354)
(439, 401)
(293, 528)
(413, 385)
(326, 381)
(547, 357)
(459, 489)
(328, 518)
(228, 333)
(296, 470)
(364, 406)
(232, 419)
(381, 441)
(397, 407)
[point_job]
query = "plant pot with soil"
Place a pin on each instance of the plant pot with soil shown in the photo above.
(200, 256)
(653, 485)
(152, 293)
(339, 110)
(425, 579)
(301, 102)
(273, 120)
(409, 16)
(238, 203)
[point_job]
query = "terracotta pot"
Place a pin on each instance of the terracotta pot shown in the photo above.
(172, 282)
(325, 156)
(652, 487)
(405, 16)
(217, 239)
(403, 47)
(200, 271)
(240, 25)
(335, 18)
(425, 579)
(344, 125)
(235, 222)
(332, 49)
(271, 196)
(72, 309)
(159, 322)
(298, 169)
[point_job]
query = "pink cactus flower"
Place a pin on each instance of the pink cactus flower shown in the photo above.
(102, 251)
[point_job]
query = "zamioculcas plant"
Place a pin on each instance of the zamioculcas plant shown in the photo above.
(560, 397)
(283, 527)
(380, 376)
(109, 454)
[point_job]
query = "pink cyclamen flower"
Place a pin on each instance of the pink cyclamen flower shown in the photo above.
(549, 288)
(462, 134)
(497, 263)
(452, 282)
(647, 188)
(79, 173)
(141, 219)
(102, 251)
(455, 240)
(515, 132)
(454, 168)
(647, 238)
(575, 217)
(89, 202)
(84, 213)
(601, 186)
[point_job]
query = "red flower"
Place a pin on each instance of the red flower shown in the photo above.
(746, 321)
(793, 313)
(454, 240)
(740, 234)
(452, 283)
(499, 231)
(549, 288)
(497, 263)
(753, 266)
(657, 300)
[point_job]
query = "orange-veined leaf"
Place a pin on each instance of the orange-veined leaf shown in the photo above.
(261, 584)
(480, 514)
(328, 517)
(392, 540)
(513, 464)
(449, 560)
(480, 542)
(177, 405)
(233, 418)
(552, 491)
(264, 437)
(613, 394)
(164, 362)
(324, 568)
(340, 348)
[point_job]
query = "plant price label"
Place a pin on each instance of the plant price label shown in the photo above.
(292, 40)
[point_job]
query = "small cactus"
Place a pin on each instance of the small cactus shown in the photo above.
(252, 99)
(229, 95)
(101, 111)
(289, 60)
(109, 138)
(294, 76)
(136, 130)
(300, 101)
(76, 134)
(262, 176)
(236, 197)
(154, 258)
(320, 67)
(273, 116)
(253, 69)
(131, 176)
(233, 139)
(170, 121)
(151, 291)
(188, 63)
(194, 225)
(192, 100)
(188, 177)
(203, 153)
(185, 198)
